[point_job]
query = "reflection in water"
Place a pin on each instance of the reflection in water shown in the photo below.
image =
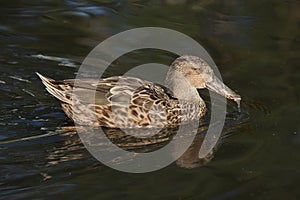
(190, 159)
(71, 149)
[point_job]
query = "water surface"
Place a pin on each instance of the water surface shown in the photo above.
(254, 44)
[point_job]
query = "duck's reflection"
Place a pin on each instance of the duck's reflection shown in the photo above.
(190, 159)
(73, 149)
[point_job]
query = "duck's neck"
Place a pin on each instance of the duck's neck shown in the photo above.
(182, 88)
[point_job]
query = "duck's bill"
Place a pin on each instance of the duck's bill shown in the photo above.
(216, 85)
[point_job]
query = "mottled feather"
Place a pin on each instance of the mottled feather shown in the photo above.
(120, 102)
(128, 102)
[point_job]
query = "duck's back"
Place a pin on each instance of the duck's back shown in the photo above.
(117, 102)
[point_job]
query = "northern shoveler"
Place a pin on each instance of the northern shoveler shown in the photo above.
(128, 102)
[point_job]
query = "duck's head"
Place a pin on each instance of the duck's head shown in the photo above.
(200, 75)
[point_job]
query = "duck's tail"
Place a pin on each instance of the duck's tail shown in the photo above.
(58, 89)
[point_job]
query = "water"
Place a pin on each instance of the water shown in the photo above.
(254, 44)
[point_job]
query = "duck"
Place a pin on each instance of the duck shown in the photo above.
(130, 102)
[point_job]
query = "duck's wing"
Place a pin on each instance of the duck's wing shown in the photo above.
(112, 90)
(144, 101)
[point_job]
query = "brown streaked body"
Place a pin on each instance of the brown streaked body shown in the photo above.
(128, 102)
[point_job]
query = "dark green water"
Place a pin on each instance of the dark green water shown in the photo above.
(255, 45)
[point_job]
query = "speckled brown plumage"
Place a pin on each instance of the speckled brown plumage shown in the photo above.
(128, 102)
(151, 105)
